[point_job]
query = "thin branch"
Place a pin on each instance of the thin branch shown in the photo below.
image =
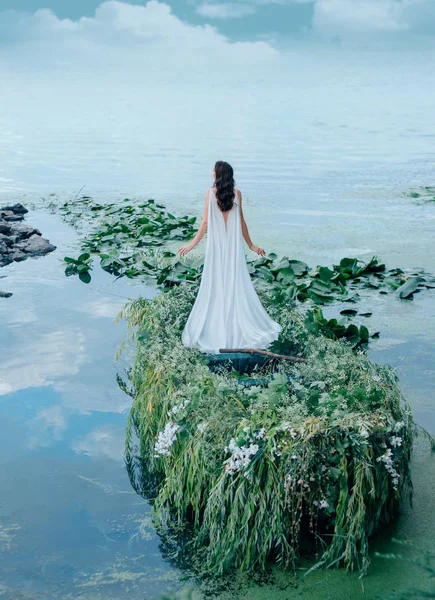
(262, 352)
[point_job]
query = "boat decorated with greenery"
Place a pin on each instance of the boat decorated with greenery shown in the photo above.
(278, 452)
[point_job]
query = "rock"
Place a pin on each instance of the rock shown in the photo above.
(5, 294)
(23, 231)
(4, 249)
(18, 256)
(37, 246)
(18, 209)
(5, 260)
(6, 240)
(8, 215)
(4, 227)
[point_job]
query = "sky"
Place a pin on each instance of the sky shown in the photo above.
(271, 19)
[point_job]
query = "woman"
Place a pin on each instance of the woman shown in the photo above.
(227, 312)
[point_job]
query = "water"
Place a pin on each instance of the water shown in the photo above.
(325, 147)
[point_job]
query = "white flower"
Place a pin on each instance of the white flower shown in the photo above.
(240, 457)
(260, 435)
(395, 441)
(364, 433)
(294, 457)
(177, 408)
(202, 426)
(287, 427)
(398, 426)
(389, 466)
(324, 504)
(165, 439)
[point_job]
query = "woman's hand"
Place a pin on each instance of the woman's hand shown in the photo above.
(185, 249)
(258, 250)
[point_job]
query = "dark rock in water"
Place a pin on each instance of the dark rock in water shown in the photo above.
(5, 294)
(5, 260)
(18, 241)
(8, 215)
(4, 248)
(6, 240)
(4, 227)
(37, 246)
(18, 256)
(23, 231)
(18, 209)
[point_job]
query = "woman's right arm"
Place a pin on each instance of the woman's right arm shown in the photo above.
(201, 231)
(245, 231)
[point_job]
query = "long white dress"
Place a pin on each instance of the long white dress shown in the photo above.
(227, 312)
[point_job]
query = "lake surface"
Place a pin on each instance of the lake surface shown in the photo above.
(325, 158)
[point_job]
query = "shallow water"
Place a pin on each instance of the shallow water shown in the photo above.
(324, 171)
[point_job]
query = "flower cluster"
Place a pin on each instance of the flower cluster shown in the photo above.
(396, 441)
(387, 459)
(165, 439)
(202, 426)
(289, 429)
(177, 408)
(240, 457)
(321, 504)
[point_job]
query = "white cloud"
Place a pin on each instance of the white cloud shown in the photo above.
(43, 361)
(227, 10)
(346, 18)
(148, 40)
(107, 440)
(47, 426)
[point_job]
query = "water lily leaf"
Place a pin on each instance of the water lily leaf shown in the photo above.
(85, 277)
(283, 263)
(364, 334)
(366, 314)
(299, 268)
(326, 274)
(286, 275)
(84, 257)
(409, 287)
(292, 291)
(265, 273)
(349, 311)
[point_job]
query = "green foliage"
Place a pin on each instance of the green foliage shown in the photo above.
(424, 194)
(337, 329)
(321, 452)
(128, 238)
(80, 266)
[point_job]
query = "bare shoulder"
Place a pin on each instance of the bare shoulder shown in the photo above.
(238, 193)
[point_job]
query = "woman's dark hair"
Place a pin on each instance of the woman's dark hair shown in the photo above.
(224, 184)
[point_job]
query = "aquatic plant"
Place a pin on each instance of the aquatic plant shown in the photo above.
(128, 237)
(320, 452)
(425, 193)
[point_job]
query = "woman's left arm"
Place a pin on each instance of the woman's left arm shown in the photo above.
(245, 231)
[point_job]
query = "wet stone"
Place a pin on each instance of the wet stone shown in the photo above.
(37, 245)
(23, 231)
(9, 216)
(18, 256)
(18, 241)
(18, 209)
(6, 240)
